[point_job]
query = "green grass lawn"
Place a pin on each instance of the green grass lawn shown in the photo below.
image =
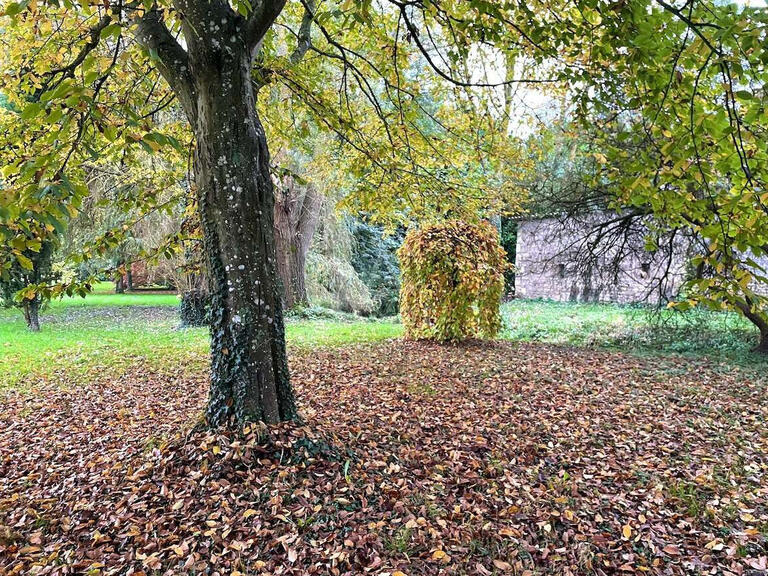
(638, 329)
(103, 295)
(106, 334)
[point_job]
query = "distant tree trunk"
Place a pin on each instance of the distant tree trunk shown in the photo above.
(128, 278)
(31, 314)
(212, 79)
(192, 283)
(195, 299)
(297, 211)
(119, 284)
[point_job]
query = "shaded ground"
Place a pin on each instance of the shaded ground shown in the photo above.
(417, 459)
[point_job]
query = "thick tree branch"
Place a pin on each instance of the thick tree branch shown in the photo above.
(304, 37)
(264, 14)
(752, 313)
(173, 61)
(94, 35)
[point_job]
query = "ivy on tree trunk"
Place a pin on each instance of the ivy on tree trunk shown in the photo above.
(212, 79)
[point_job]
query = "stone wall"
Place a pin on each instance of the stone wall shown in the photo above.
(551, 264)
(596, 260)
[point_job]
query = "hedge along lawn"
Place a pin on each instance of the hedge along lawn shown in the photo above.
(106, 334)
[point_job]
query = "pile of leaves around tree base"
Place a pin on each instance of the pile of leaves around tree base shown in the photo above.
(416, 459)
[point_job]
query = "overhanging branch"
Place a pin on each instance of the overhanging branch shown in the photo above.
(264, 14)
(304, 37)
(172, 59)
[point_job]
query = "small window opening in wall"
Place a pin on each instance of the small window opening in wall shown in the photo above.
(645, 269)
(561, 270)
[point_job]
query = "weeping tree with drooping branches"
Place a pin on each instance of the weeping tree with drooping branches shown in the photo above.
(452, 281)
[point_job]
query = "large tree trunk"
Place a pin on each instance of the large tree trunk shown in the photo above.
(128, 278)
(31, 314)
(211, 76)
(297, 210)
(119, 283)
(249, 369)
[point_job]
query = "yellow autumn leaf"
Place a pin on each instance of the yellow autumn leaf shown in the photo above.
(715, 545)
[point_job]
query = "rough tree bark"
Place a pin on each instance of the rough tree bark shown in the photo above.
(128, 278)
(760, 321)
(119, 283)
(212, 80)
(297, 211)
(31, 314)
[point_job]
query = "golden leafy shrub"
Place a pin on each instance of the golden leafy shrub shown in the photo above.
(453, 281)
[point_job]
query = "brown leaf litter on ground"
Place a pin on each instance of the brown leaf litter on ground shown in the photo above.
(414, 459)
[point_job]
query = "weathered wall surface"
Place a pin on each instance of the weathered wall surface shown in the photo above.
(550, 265)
